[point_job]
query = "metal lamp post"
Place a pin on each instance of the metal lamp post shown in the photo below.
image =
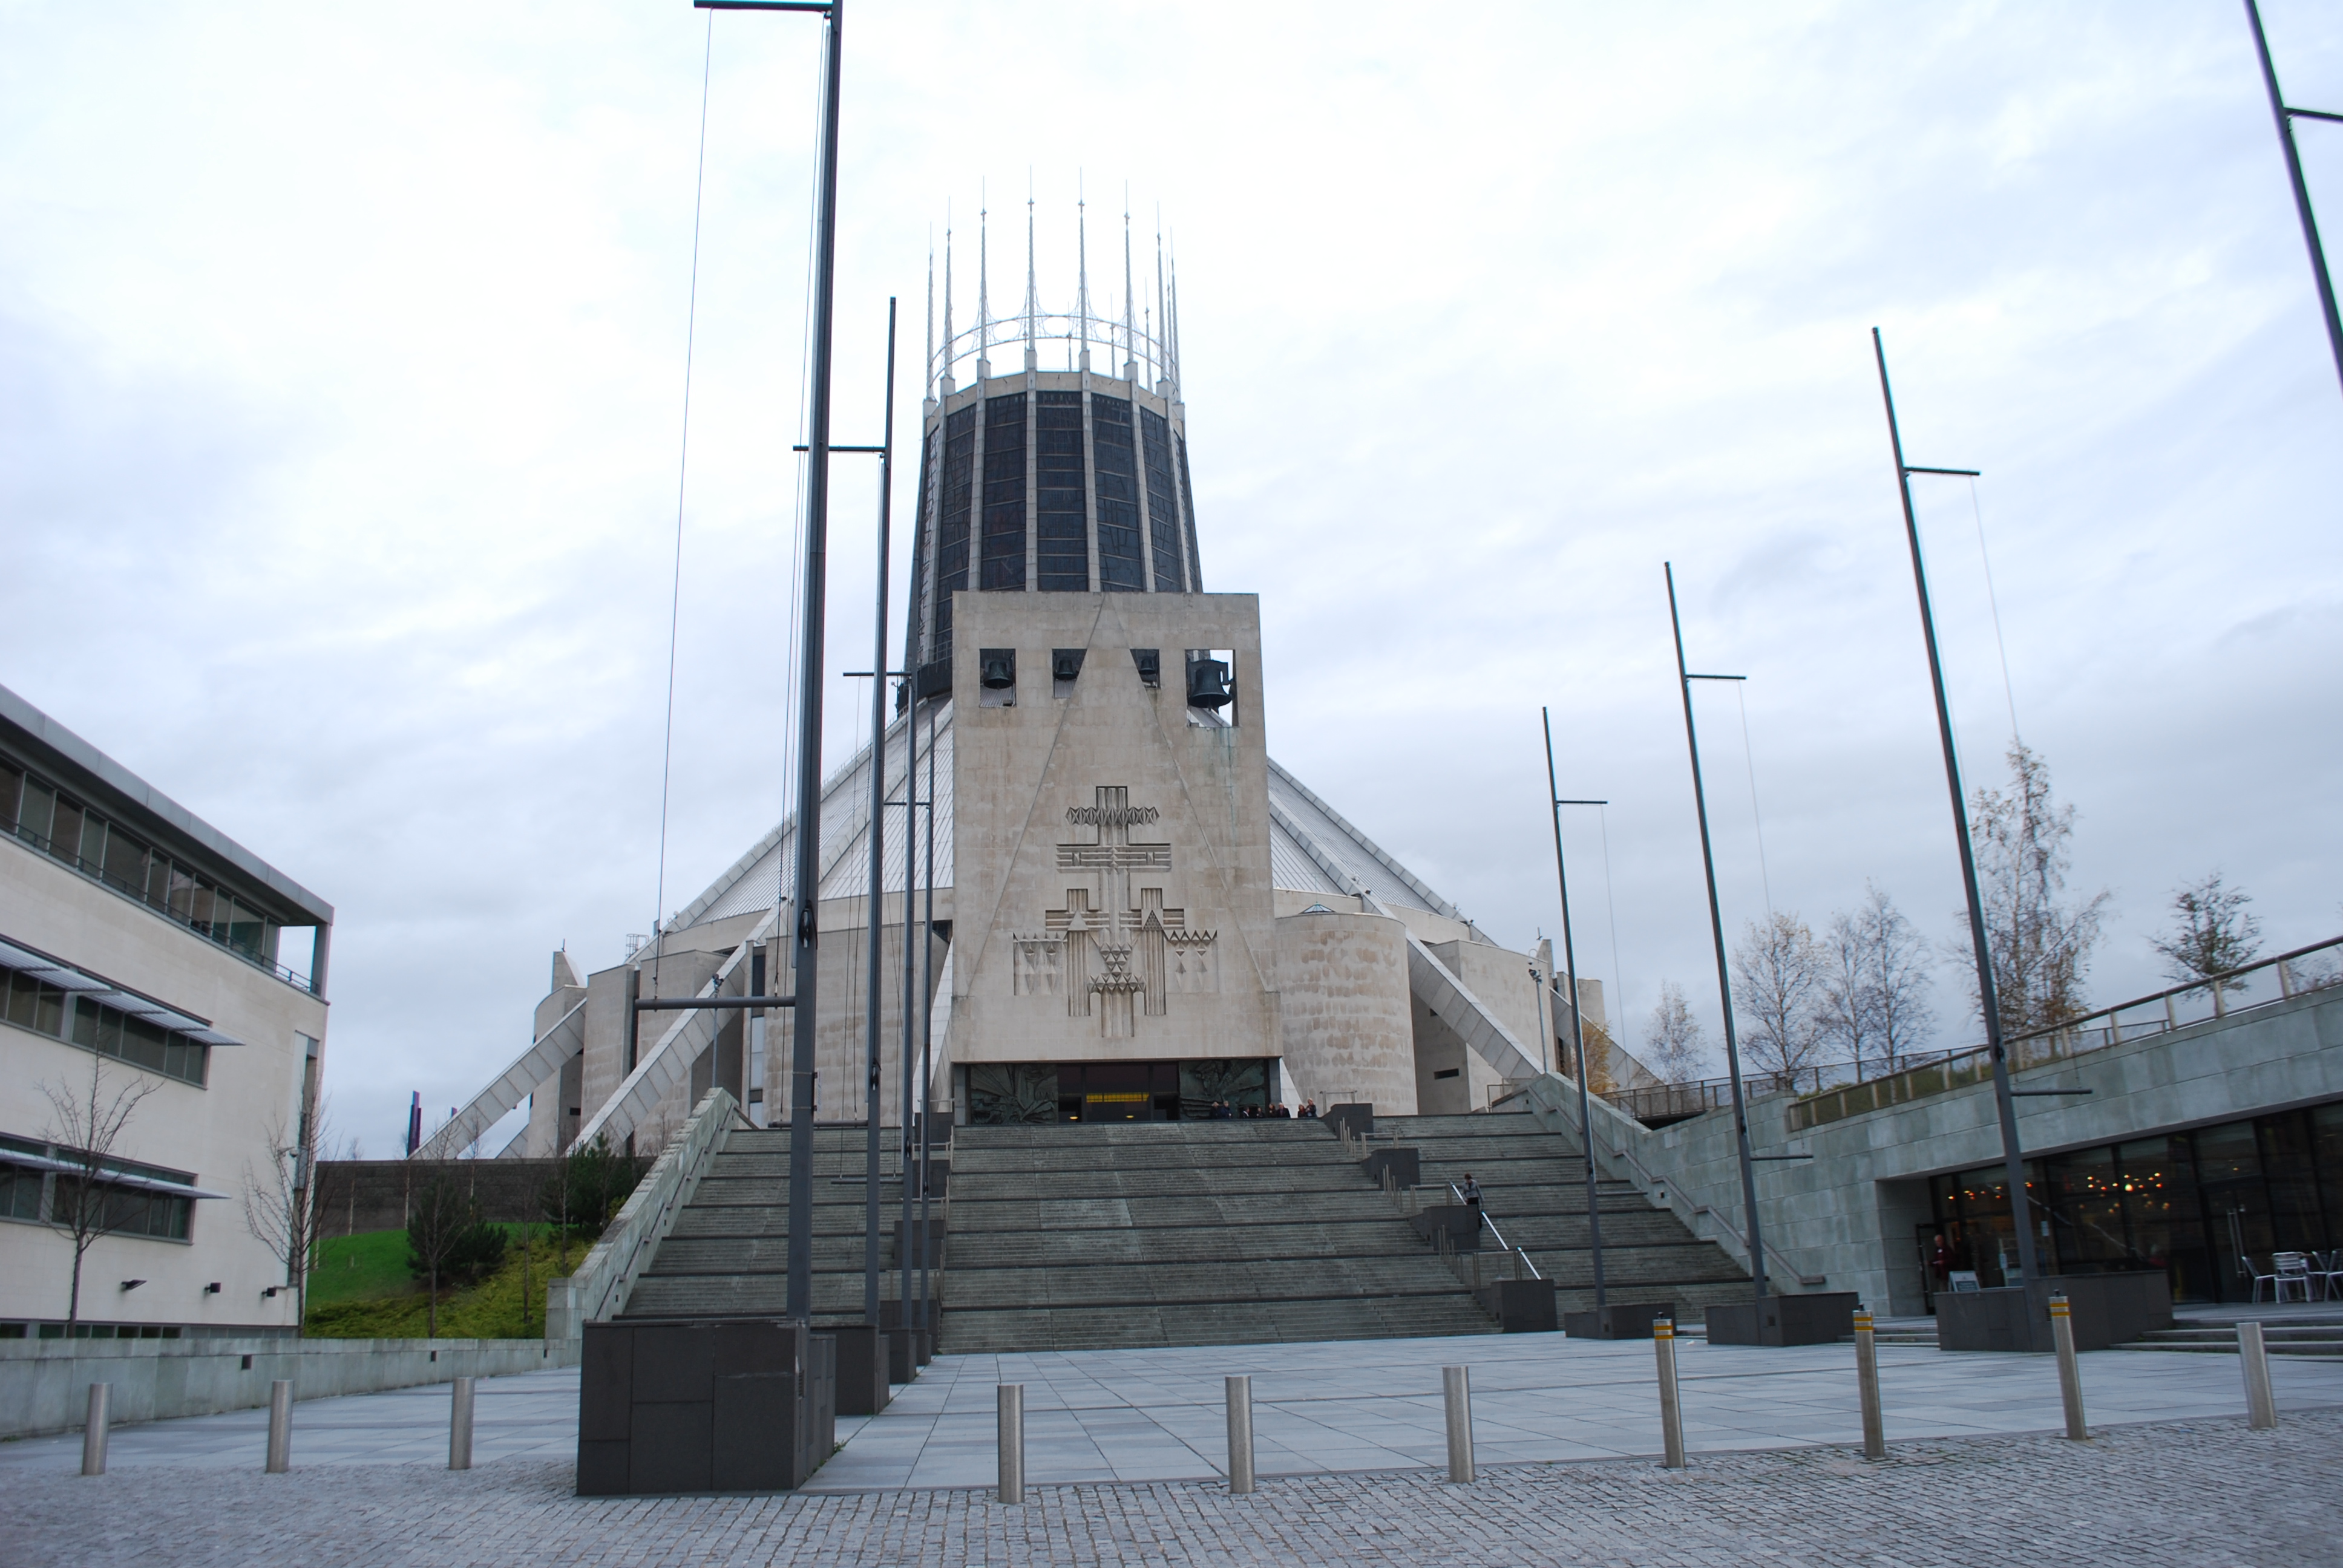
(1716, 930)
(1989, 998)
(1577, 1024)
(2285, 118)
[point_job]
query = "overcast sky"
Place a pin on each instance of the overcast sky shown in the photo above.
(341, 375)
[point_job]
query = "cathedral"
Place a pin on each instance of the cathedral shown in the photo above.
(1103, 899)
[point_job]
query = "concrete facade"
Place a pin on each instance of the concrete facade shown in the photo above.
(1113, 855)
(78, 916)
(1344, 1009)
(1846, 1218)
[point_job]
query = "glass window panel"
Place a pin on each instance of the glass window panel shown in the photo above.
(1061, 481)
(125, 861)
(159, 880)
(51, 1018)
(37, 815)
(1162, 516)
(24, 998)
(93, 842)
(183, 893)
(2293, 1182)
(952, 532)
(1115, 459)
(12, 789)
(2327, 1153)
(2087, 1210)
(1004, 493)
(64, 831)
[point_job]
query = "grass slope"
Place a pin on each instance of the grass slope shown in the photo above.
(361, 1289)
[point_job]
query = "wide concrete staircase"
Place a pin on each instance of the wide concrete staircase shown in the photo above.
(1533, 1188)
(1100, 1235)
(727, 1255)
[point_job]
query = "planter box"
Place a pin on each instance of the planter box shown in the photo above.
(1813, 1320)
(731, 1405)
(900, 1258)
(1360, 1118)
(1618, 1321)
(863, 1369)
(1520, 1306)
(2104, 1310)
(1406, 1166)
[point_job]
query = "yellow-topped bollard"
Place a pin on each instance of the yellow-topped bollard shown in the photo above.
(1664, 1346)
(1867, 1382)
(2070, 1376)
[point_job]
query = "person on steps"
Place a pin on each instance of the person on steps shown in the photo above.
(1471, 1190)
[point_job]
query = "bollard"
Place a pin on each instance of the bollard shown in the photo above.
(280, 1426)
(1240, 1390)
(459, 1425)
(2261, 1401)
(2070, 1376)
(1867, 1382)
(1457, 1383)
(94, 1430)
(1012, 1442)
(1664, 1345)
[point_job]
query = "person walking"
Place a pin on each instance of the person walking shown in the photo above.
(1471, 1190)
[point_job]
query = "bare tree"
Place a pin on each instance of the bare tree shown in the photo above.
(2039, 944)
(1777, 984)
(1875, 982)
(288, 1205)
(1675, 1044)
(2211, 932)
(85, 1205)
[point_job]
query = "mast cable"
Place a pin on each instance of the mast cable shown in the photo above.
(682, 472)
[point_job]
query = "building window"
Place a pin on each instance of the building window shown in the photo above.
(1060, 481)
(36, 1005)
(1121, 569)
(61, 826)
(951, 535)
(135, 1203)
(1004, 492)
(1162, 513)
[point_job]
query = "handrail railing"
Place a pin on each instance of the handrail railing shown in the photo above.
(2300, 971)
(601, 1284)
(1489, 1220)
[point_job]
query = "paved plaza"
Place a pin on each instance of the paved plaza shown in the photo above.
(2185, 1494)
(1125, 1450)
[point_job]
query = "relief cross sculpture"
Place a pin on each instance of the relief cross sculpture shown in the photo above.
(1144, 951)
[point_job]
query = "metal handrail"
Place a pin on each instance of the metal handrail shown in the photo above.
(1488, 1220)
(2104, 1027)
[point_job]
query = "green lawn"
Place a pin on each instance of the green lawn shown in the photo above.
(361, 1289)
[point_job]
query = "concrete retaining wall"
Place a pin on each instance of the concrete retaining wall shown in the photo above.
(44, 1383)
(374, 1195)
(1848, 1215)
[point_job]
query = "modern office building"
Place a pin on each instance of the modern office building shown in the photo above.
(1138, 914)
(147, 960)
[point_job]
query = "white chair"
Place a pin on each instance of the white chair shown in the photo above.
(2293, 1273)
(2246, 1267)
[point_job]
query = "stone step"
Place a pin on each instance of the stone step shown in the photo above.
(1116, 1284)
(1272, 1322)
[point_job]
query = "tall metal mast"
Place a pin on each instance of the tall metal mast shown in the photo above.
(1723, 976)
(1577, 1025)
(875, 901)
(2285, 118)
(1989, 998)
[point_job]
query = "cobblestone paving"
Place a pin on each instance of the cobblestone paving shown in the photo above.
(2200, 1493)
